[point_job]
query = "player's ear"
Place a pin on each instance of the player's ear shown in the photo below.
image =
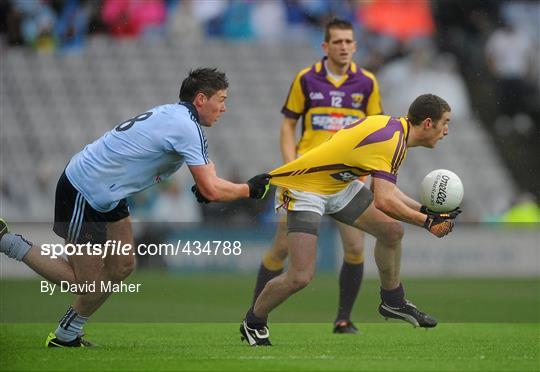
(200, 99)
(427, 123)
(324, 47)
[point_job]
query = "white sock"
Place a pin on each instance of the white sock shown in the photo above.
(70, 326)
(15, 246)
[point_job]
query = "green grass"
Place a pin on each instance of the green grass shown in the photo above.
(298, 347)
(190, 322)
(223, 297)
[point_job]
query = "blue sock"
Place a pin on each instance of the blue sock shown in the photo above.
(70, 326)
(15, 246)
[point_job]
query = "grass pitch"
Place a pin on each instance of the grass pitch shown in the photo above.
(298, 347)
(190, 322)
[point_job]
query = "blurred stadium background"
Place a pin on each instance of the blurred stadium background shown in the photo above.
(73, 69)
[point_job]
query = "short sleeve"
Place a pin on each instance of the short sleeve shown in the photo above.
(295, 104)
(381, 167)
(390, 177)
(374, 105)
(390, 160)
(191, 144)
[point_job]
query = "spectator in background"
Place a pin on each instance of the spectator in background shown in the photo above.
(236, 20)
(72, 26)
(183, 22)
(228, 19)
(269, 20)
(131, 18)
(209, 14)
(509, 58)
(306, 18)
(10, 23)
(37, 20)
(523, 14)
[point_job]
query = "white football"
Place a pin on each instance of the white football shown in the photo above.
(441, 190)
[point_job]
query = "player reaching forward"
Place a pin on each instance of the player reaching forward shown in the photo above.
(328, 95)
(325, 181)
(91, 193)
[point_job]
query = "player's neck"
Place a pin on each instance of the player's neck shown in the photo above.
(335, 69)
(414, 138)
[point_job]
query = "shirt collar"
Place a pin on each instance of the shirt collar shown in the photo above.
(408, 128)
(322, 68)
(192, 110)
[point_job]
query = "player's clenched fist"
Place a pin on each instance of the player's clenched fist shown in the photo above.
(258, 186)
(440, 224)
(200, 197)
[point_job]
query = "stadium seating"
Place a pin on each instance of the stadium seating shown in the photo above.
(53, 105)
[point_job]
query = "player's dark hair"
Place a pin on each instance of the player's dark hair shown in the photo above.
(336, 23)
(206, 80)
(427, 106)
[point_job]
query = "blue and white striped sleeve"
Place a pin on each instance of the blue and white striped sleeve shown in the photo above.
(192, 145)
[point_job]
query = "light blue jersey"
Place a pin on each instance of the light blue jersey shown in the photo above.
(137, 154)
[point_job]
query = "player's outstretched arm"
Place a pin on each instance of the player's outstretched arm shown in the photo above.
(390, 200)
(410, 202)
(214, 188)
(209, 187)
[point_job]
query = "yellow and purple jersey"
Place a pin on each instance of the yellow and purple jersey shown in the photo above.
(326, 105)
(375, 145)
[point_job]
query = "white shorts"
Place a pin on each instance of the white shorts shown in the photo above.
(296, 200)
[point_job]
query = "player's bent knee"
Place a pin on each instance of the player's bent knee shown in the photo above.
(354, 257)
(354, 248)
(393, 233)
(299, 282)
(121, 272)
(123, 269)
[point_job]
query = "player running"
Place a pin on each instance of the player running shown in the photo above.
(325, 181)
(91, 194)
(327, 96)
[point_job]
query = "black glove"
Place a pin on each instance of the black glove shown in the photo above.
(198, 195)
(258, 186)
(449, 215)
(439, 224)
